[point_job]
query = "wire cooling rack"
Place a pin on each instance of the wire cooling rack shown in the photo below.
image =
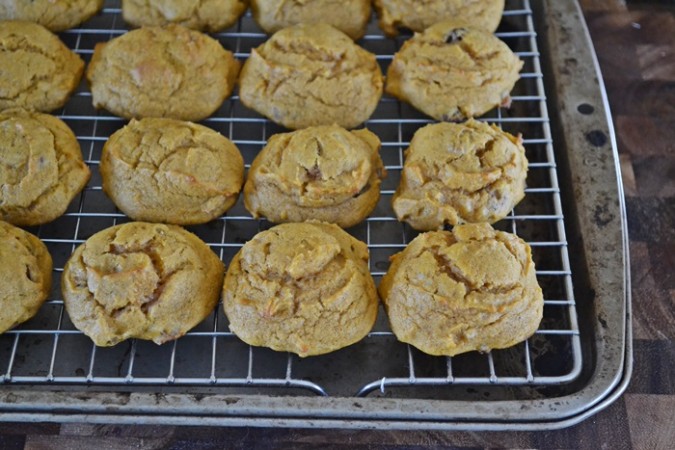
(49, 352)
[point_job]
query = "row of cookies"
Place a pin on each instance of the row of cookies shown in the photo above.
(302, 76)
(165, 170)
(306, 288)
(302, 287)
(349, 16)
(171, 171)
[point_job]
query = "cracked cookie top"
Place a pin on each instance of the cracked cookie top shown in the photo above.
(451, 72)
(25, 275)
(324, 173)
(309, 75)
(349, 16)
(41, 167)
(459, 173)
(167, 170)
(418, 15)
(55, 15)
(38, 71)
(168, 71)
(304, 288)
(470, 289)
(202, 15)
(140, 280)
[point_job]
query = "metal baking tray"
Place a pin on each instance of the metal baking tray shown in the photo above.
(573, 216)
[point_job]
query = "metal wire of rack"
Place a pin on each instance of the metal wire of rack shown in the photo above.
(48, 351)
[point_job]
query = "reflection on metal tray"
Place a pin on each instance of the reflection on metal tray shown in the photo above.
(212, 377)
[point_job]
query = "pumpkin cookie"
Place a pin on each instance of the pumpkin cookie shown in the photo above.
(458, 173)
(38, 71)
(309, 75)
(304, 288)
(450, 72)
(324, 173)
(202, 15)
(54, 15)
(419, 15)
(166, 71)
(25, 275)
(470, 289)
(140, 280)
(41, 167)
(166, 170)
(349, 16)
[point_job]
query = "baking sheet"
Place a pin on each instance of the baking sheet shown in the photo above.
(47, 353)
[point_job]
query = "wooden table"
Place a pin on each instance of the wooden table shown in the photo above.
(636, 47)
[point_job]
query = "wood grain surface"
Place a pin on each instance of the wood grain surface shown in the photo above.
(635, 42)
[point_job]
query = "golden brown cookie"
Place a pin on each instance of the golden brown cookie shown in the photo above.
(451, 73)
(309, 75)
(418, 15)
(55, 15)
(202, 15)
(25, 275)
(167, 170)
(41, 167)
(303, 288)
(470, 289)
(166, 71)
(323, 173)
(349, 16)
(37, 71)
(459, 173)
(140, 280)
